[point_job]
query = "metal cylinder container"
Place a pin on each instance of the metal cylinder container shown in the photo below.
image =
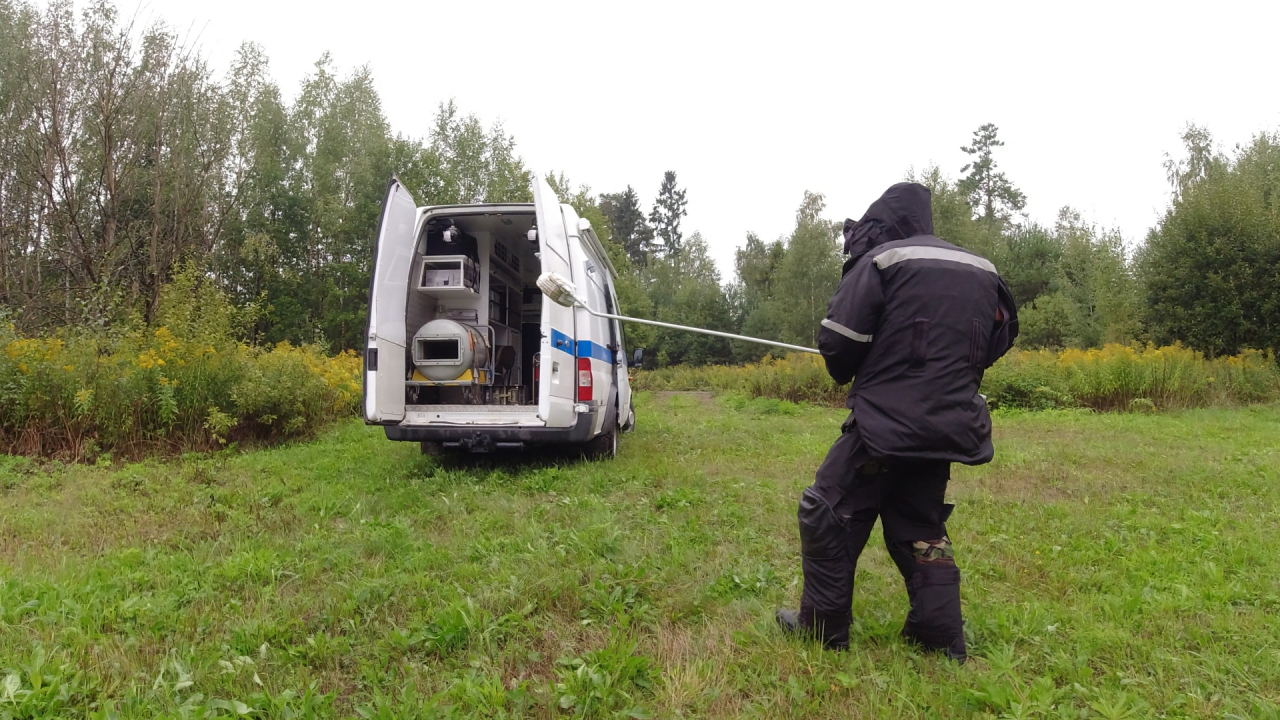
(444, 350)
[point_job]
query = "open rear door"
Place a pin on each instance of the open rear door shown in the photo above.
(384, 355)
(557, 381)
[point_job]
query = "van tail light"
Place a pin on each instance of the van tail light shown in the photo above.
(584, 379)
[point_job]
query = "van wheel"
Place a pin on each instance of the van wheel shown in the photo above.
(431, 449)
(603, 446)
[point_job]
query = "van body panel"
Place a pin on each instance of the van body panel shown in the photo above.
(557, 376)
(388, 297)
(591, 279)
(593, 276)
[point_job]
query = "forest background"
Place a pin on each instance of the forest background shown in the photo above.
(127, 161)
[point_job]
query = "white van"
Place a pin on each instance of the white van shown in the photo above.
(463, 349)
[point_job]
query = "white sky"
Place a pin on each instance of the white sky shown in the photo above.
(751, 104)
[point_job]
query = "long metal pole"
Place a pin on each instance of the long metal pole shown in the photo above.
(717, 333)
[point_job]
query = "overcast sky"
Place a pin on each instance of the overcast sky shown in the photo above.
(752, 104)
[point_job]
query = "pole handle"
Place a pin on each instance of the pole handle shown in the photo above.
(717, 333)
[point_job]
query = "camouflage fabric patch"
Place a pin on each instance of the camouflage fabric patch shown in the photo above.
(934, 551)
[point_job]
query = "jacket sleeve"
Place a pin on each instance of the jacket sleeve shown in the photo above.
(853, 316)
(1005, 328)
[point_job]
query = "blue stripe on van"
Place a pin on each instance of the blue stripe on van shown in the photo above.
(561, 342)
(586, 348)
(583, 348)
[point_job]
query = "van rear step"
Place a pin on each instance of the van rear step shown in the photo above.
(495, 415)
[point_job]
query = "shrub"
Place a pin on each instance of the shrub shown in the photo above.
(1122, 377)
(80, 393)
(1115, 377)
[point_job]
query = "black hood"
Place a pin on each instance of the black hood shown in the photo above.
(904, 210)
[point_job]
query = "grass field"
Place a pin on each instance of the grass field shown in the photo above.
(1116, 566)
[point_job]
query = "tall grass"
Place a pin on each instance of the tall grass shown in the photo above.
(797, 378)
(1123, 377)
(1116, 377)
(184, 383)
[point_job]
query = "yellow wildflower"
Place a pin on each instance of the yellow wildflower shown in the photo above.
(147, 360)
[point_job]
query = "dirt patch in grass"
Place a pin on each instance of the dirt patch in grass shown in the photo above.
(695, 663)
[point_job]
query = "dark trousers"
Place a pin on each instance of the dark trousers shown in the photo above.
(836, 516)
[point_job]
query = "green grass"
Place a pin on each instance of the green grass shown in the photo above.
(1115, 566)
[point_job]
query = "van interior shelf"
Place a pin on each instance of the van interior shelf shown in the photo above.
(449, 290)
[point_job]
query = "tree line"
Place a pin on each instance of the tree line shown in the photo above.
(123, 155)
(125, 158)
(1207, 275)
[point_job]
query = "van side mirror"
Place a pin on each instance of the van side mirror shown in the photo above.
(637, 359)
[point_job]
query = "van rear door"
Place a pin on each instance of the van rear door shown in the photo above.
(384, 355)
(557, 376)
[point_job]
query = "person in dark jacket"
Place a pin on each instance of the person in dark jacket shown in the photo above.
(914, 323)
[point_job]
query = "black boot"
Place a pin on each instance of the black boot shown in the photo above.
(934, 621)
(833, 631)
(789, 621)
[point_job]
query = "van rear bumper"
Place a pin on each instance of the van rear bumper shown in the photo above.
(579, 432)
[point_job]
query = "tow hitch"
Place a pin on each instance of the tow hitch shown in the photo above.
(481, 443)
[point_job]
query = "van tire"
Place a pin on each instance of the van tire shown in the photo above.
(631, 419)
(603, 446)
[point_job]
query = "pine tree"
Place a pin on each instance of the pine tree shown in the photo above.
(988, 190)
(666, 214)
(627, 224)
